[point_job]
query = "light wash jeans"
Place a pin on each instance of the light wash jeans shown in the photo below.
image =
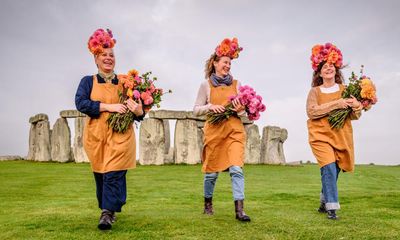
(237, 179)
(329, 193)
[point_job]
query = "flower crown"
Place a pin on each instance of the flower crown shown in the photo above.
(328, 53)
(228, 48)
(99, 40)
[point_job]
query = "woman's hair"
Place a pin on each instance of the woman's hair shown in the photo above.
(317, 79)
(209, 67)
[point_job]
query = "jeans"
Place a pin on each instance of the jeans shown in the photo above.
(237, 179)
(329, 193)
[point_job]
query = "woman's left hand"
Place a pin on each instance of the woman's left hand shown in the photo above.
(237, 105)
(135, 107)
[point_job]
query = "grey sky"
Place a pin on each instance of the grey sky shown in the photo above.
(44, 56)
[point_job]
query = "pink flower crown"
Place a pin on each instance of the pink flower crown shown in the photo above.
(99, 40)
(328, 53)
(228, 48)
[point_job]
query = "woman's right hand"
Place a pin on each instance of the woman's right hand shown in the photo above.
(118, 107)
(217, 108)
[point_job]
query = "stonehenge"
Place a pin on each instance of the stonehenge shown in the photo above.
(155, 146)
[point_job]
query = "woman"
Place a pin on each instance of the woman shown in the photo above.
(333, 148)
(110, 153)
(224, 143)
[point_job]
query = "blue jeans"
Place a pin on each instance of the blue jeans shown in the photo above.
(329, 193)
(237, 179)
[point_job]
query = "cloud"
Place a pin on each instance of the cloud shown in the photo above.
(44, 56)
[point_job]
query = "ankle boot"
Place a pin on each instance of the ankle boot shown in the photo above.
(208, 207)
(240, 214)
(332, 215)
(322, 208)
(105, 222)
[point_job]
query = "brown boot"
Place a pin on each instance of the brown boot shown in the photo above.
(208, 208)
(240, 214)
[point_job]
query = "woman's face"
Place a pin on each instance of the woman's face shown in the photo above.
(328, 71)
(105, 61)
(223, 66)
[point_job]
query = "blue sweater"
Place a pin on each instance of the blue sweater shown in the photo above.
(82, 97)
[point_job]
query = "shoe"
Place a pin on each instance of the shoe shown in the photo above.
(322, 208)
(106, 220)
(240, 214)
(208, 207)
(332, 215)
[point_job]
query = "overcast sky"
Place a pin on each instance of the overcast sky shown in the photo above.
(44, 55)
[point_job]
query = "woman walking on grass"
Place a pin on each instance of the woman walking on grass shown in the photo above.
(223, 143)
(111, 154)
(333, 148)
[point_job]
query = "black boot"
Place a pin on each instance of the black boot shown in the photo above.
(322, 208)
(208, 207)
(240, 214)
(332, 215)
(106, 220)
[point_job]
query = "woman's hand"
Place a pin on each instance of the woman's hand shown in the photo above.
(118, 107)
(343, 103)
(135, 107)
(353, 102)
(237, 105)
(217, 108)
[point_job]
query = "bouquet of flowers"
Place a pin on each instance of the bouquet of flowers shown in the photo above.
(363, 89)
(135, 87)
(248, 98)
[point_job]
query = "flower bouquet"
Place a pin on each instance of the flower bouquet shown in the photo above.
(363, 89)
(248, 98)
(135, 87)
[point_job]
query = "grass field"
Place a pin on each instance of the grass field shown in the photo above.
(57, 201)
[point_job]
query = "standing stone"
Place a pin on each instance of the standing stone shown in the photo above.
(78, 150)
(272, 145)
(32, 142)
(188, 142)
(42, 139)
(152, 142)
(253, 144)
(167, 136)
(61, 141)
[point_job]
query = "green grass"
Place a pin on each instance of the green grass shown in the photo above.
(57, 201)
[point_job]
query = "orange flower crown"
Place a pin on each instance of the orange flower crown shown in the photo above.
(228, 48)
(328, 53)
(99, 40)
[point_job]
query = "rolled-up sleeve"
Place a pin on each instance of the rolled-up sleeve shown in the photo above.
(83, 102)
(315, 111)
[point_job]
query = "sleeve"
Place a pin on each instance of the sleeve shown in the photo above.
(315, 111)
(83, 102)
(242, 113)
(201, 105)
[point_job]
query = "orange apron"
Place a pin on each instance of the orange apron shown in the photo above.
(223, 143)
(331, 145)
(107, 150)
